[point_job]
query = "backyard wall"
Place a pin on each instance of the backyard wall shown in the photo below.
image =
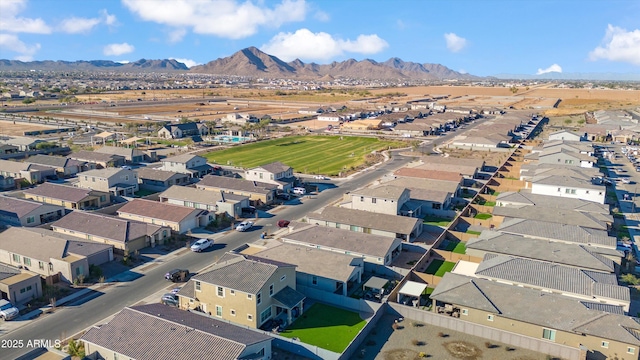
(349, 352)
(359, 305)
(519, 341)
(455, 257)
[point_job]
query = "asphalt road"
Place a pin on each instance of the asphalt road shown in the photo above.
(70, 320)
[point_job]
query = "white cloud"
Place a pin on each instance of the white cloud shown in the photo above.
(10, 42)
(303, 44)
(11, 22)
(321, 16)
(190, 63)
(117, 49)
(455, 43)
(553, 68)
(619, 45)
(176, 35)
(107, 18)
(224, 18)
(75, 25)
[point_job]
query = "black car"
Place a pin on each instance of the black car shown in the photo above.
(170, 299)
(177, 275)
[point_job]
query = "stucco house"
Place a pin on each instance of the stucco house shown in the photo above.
(383, 199)
(179, 218)
(178, 131)
(64, 166)
(275, 173)
(160, 180)
(70, 197)
(117, 181)
(22, 212)
(258, 192)
(18, 285)
(213, 201)
(193, 165)
(33, 173)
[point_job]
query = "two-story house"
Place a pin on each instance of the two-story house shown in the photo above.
(160, 180)
(177, 131)
(192, 165)
(257, 191)
(215, 201)
(131, 155)
(64, 166)
(117, 181)
(383, 199)
(179, 218)
(98, 160)
(245, 290)
(33, 173)
(275, 173)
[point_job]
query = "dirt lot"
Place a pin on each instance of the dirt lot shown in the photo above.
(490, 158)
(385, 343)
(18, 129)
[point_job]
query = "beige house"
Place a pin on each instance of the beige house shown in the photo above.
(32, 173)
(51, 255)
(99, 160)
(21, 212)
(69, 197)
(216, 202)
(131, 155)
(192, 165)
(179, 218)
(160, 180)
(383, 199)
(246, 291)
(603, 330)
(275, 173)
(124, 235)
(19, 286)
(258, 192)
(117, 181)
(64, 166)
(156, 331)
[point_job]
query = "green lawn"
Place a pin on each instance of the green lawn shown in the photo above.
(449, 246)
(327, 155)
(327, 327)
(436, 221)
(460, 248)
(483, 216)
(473, 232)
(489, 203)
(434, 266)
(446, 267)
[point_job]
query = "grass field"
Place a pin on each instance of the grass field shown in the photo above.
(460, 248)
(436, 221)
(446, 267)
(326, 326)
(326, 155)
(434, 266)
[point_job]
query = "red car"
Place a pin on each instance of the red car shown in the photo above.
(283, 223)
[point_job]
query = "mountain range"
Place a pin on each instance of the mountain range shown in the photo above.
(255, 63)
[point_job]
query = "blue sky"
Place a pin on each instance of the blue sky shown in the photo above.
(479, 37)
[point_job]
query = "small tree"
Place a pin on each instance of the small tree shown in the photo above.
(76, 348)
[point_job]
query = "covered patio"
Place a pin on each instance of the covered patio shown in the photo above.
(410, 293)
(289, 305)
(374, 288)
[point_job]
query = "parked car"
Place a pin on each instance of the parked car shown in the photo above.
(7, 310)
(283, 223)
(320, 177)
(177, 275)
(283, 196)
(201, 244)
(299, 190)
(244, 226)
(175, 290)
(170, 299)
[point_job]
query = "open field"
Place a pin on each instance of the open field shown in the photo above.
(18, 129)
(326, 326)
(328, 155)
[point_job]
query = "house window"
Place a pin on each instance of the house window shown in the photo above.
(631, 350)
(79, 270)
(314, 280)
(103, 198)
(605, 344)
(265, 315)
(41, 265)
(271, 290)
(232, 292)
(337, 225)
(361, 198)
(464, 312)
(373, 200)
(586, 192)
(126, 178)
(218, 310)
(198, 286)
(283, 277)
(93, 179)
(50, 267)
(31, 220)
(233, 312)
(260, 175)
(549, 334)
(249, 296)
(249, 317)
(220, 291)
(490, 317)
(259, 298)
(600, 193)
(26, 261)
(16, 258)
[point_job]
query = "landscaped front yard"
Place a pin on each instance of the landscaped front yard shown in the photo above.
(327, 155)
(326, 326)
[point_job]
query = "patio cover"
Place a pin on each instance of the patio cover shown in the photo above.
(104, 135)
(131, 140)
(375, 283)
(412, 288)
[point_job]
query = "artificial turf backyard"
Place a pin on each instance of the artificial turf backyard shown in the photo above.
(439, 267)
(326, 326)
(327, 155)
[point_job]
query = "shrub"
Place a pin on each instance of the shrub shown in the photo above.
(417, 342)
(442, 335)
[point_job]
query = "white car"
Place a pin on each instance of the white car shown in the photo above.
(244, 226)
(200, 245)
(320, 177)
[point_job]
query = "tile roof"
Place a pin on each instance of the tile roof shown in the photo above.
(417, 183)
(558, 232)
(105, 226)
(342, 239)
(613, 309)
(22, 207)
(438, 159)
(390, 223)
(552, 276)
(327, 264)
(155, 331)
(558, 216)
(227, 183)
(429, 174)
(93, 156)
(274, 167)
(13, 166)
(240, 273)
(49, 160)
(7, 272)
(567, 181)
(531, 170)
(102, 173)
(381, 191)
(196, 195)
(155, 174)
(526, 198)
(158, 210)
(59, 192)
(182, 158)
(536, 307)
(556, 252)
(122, 151)
(289, 297)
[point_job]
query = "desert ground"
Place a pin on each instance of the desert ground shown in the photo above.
(9, 128)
